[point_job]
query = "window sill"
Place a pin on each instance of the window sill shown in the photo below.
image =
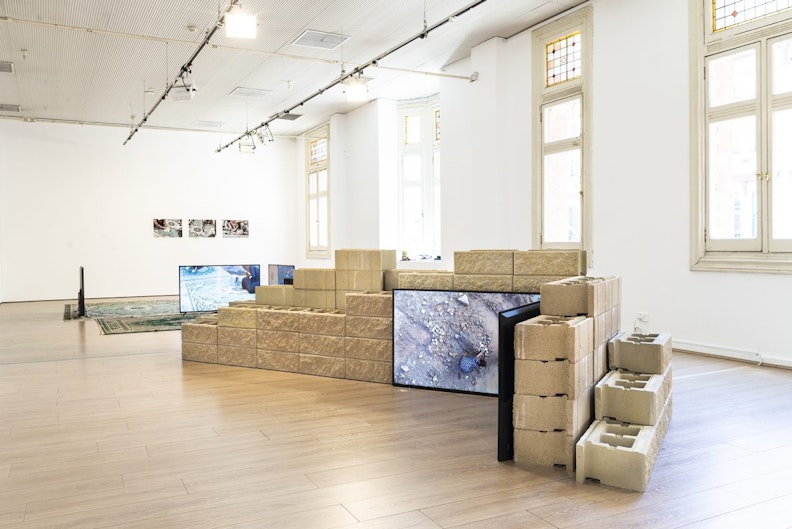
(743, 262)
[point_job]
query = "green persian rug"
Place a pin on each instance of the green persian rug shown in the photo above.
(123, 317)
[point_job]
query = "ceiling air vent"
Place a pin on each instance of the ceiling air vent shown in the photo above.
(5, 107)
(253, 93)
(320, 39)
(6, 67)
(206, 124)
(289, 116)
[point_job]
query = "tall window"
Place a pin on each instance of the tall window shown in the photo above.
(743, 166)
(562, 72)
(318, 193)
(419, 179)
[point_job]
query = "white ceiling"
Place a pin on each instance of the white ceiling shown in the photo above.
(93, 61)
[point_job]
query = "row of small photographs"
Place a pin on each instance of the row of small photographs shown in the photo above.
(232, 228)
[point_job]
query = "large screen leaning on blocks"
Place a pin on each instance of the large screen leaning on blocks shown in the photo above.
(448, 340)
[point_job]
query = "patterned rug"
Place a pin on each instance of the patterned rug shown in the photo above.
(122, 317)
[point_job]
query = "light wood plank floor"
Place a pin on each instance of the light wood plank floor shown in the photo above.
(116, 431)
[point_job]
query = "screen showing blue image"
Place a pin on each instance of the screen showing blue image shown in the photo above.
(205, 288)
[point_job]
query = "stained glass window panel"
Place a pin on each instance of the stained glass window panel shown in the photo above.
(318, 151)
(563, 59)
(728, 13)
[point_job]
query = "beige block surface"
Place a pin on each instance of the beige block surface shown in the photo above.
(361, 280)
(278, 320)
(378, 304)
(390, 279)
(545, 449)
(550, 263)
(342, 280)
(275, 295)
(554, 338)
(278, 360)
(482, 283)
(533, 377)
(198, 333)
(556, 413)
(532, 284)
(369, 349)
(640, 353)
(320, 344)
(319, 299)
(332, 323)
(426, 281)
(484, 262)
(286, 341)
(314, 278)
(236, 356)
(369, 371)
(341, 259)
(340, 303)
(237, 316)
(322, 365)
(298, 297)
(236, 337)
(632, 398)
(600, 362)
(369, 327)
(199, 352)
(621, 455)
(382, 259)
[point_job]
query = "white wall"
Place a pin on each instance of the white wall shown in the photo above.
(75, 196)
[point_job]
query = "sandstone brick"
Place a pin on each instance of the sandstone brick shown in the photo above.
(621, 455)
(532, 284)
(369, 327)
(278, 360)
(484, 262)
(369, 349)
(273, 295)
(545, 449)
(483, 283)
(369, 371)
(197, 333)
(390, 279)
(632, 398)
(340, 303)
(320, 344)
(556, 413)
(199, 352)
(236, 356)
(379, 304)
(554, 338)
(550, 263)
(575, 296)
(560, 377)
(298, 297)
(322, 365)
(286, 341)
(600, 362)
(640, 353)
(237, 316)
(278, 320)
(426, 281)
(319, 322)
(236, 337)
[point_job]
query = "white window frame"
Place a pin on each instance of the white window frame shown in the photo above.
(578, 20)
(734, 255)
(429, 151)
(322, 219)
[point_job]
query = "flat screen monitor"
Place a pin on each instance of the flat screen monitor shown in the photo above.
(506, 323)
(204, 288)
(448, 340)
(280, 274)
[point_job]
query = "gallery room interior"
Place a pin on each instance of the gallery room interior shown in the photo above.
(117, 115)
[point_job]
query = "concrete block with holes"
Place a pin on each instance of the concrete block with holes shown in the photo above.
(484, 262)
(554, 413)
(640, 353)
(554, 338)
(545, 449)
(621, 455)
(557, 377)
(632, 397)
(550, 263)
(576, 296)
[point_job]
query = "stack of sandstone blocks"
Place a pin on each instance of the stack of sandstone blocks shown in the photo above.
(559, 357)
(339, 322)
(632, 407)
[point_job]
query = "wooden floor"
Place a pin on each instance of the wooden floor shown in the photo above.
(117, 431)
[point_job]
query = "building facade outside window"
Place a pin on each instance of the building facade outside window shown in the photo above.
(741, 124)
(317, 184)
(562, 133)
(419, 179)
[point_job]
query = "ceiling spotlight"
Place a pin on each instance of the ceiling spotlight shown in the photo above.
(246, 145)
(184, 89)
(264, 135)
(239, 24)
(356, 89)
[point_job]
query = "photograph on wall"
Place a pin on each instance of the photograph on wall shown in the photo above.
(235, 228)
(167, 228)
(202, 228)
(449, 340)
